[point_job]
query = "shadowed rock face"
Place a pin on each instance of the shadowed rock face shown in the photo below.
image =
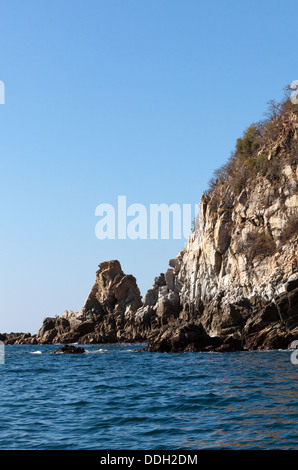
(240, 327)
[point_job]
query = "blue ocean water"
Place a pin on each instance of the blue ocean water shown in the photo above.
(116, 398)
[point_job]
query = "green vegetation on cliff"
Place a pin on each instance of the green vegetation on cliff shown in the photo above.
(264, 149)
(260, 155)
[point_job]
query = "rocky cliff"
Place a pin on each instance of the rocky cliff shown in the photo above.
(237, 278)
(235, 284)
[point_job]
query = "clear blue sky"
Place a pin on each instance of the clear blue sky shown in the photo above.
(119, 97)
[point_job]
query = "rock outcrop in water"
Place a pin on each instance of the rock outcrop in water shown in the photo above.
(69, 349)
(18, 338)
(106, 315)
(234, 286)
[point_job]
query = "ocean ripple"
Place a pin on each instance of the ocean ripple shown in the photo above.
(106, 399)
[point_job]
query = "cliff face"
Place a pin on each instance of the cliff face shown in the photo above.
(235, 258)
(237, 275)
(235, 284)
(237, 278)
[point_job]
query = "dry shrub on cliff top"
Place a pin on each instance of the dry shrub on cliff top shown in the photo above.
(263, 151)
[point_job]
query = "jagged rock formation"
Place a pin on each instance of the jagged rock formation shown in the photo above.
(105, 317)
(234, 286)
(18, 338)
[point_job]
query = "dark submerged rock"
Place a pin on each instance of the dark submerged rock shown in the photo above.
(70, 349)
